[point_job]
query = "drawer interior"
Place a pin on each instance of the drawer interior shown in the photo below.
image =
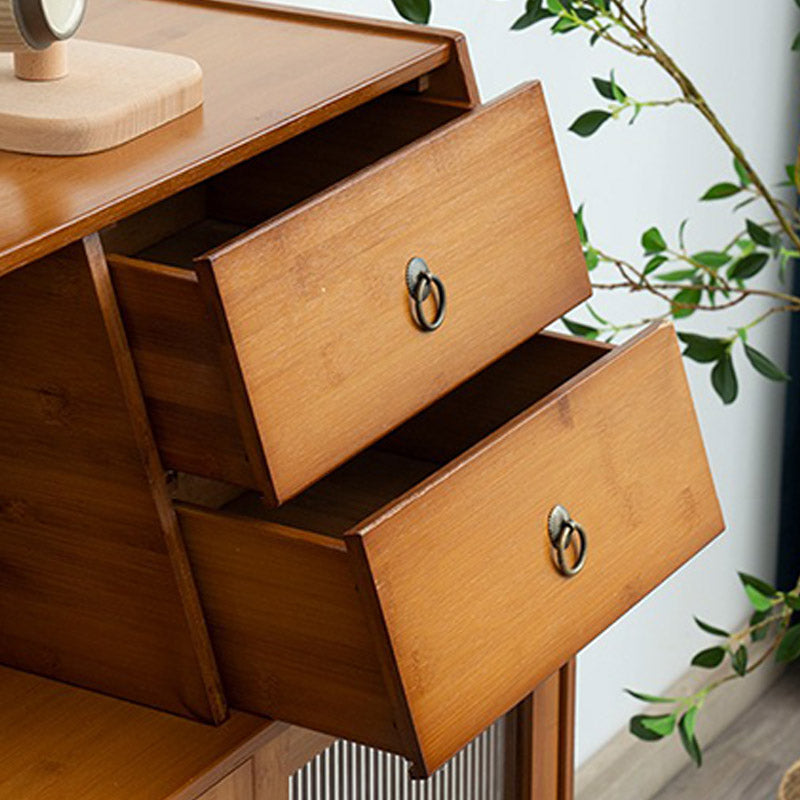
(189, 224)
(427, 442)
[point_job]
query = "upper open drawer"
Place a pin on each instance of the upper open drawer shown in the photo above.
(323, 347)
(415, 594)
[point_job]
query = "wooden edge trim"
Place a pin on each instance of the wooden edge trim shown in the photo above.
(510, 427)
(129, 262)
(27, 250)
(566, 730)
(515, 95)
(462, 64)
(251, 437)
(393, 681)
(331, 18)
(540, 741)
(218, 770)
(209, 516)
(140, 424)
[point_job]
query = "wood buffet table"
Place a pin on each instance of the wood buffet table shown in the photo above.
(282, 440)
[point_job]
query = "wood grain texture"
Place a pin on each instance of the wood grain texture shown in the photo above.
(173, 336)
(94, 586)
(472, 603)
(239, 785)
(176, 350)
(64, 743)
(109, 95)
(567, 685)
(535, 744)
(274, 764)
(316, 69)
(540, 740)
(482, 200)
(287, 624)
(454, 567)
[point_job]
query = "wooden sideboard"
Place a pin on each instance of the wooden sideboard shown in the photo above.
(282, 438)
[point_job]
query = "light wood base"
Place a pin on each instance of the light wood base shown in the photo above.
(111, 95)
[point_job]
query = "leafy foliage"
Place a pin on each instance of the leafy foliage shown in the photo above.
(414, 10)
(705, 280)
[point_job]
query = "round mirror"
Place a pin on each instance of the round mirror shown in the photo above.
(43, 22)
(63, 16)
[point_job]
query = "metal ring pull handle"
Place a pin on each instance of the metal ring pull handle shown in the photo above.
(421, 282)
(562, 528)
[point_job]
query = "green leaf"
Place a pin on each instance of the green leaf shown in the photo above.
(702, 349)
(677, 275)
(654, 263)
(721, 190)
(588, 123)
(789, 648)
(793, 601)
(582, 233)
(684, 298)
(579, 329)
(414, 10)
(609, 89)
(739, 661)
(764, 365)
(741, 172)
(764, 588)
(652, 728)
(711, 258)
(759, 234)
(533, 13)
(757, 618)
(653, 241)
(592, 258)
(748, 266)
(681, 234)
(723, 379)
(688, 739)
(650, 698)
(564, 25)
(757, 600)
(711, 629)
(710, 658)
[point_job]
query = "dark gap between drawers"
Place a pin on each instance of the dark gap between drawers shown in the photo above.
(418, 448)
(189, 224)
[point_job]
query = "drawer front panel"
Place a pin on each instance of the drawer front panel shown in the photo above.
(473, 612)
(316, 305)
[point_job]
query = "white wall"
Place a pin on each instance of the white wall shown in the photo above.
(631, 178)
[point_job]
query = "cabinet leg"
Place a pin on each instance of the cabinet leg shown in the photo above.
(541, 741)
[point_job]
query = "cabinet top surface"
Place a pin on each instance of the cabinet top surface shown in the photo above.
(269, 73)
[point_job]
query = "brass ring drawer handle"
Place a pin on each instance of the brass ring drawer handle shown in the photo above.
(562, 528)
(421, 282)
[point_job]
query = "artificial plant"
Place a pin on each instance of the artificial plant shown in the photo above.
(688, 282)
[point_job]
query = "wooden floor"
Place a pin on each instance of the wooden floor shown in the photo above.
(748, 761)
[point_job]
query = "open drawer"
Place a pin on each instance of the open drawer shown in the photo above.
(275, 357)
(413, 595)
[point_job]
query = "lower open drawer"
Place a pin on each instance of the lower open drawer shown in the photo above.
(413, 596)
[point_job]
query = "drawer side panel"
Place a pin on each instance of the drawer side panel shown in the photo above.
(287, 625)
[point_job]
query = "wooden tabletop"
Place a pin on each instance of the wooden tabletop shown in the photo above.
(60, 743)
(269, 73)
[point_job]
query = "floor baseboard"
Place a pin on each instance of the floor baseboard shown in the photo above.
(627, 769)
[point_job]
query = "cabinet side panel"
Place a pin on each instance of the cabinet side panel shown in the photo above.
(93, 587)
